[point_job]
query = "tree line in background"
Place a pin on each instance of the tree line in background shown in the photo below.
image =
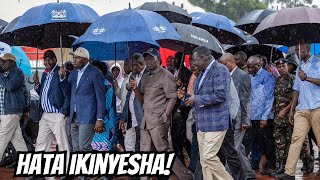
(235, 9)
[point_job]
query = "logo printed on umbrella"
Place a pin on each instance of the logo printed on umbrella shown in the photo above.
(160, 29)
(98, 31)
(196, 18)
(58, 15)
(199, 38)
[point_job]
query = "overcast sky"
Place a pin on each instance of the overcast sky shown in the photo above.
(10, 9)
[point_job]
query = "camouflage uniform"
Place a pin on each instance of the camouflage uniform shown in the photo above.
(283, 129)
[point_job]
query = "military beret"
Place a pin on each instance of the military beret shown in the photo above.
(281, 61)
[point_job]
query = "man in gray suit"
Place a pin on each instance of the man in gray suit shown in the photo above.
(242, 82)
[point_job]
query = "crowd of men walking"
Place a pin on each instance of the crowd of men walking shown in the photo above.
(224, 113)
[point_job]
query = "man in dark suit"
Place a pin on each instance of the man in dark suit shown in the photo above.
(132, 112)
(211, 101)
(242, 81)
(88, 101)
(180, 113)
(54, 104)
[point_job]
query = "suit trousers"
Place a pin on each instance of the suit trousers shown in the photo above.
(303, 121)
(209, 145)
(52, 126)
(245, 163)
(82, 135)
(157, 139)
(229, 156)
(10, 131)
(259, 141)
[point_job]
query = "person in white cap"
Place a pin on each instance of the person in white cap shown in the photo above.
(87, 105)
(12, 104)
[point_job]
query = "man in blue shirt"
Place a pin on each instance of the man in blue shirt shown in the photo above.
(306, 103)
(261, 132)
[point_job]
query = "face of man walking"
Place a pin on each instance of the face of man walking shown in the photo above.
(79, 62)
(151, 61)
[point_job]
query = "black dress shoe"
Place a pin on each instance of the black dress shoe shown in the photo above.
(285, 176)
(310, 165)
(267, 172)
(6, 161)
(11, 166)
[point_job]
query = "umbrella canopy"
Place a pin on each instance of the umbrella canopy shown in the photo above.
(3, 24)
(252, 47)
(174, 14)
(133, 28)
(22, 60)
(7, 34)
(48, 26)
(219, 26)
(192, 37)
(250, 21)
(290, 26)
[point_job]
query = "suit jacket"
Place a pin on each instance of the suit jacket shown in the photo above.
(57, 97)
(212, 99)
(88, 97)
(242, 81)
(138, 107)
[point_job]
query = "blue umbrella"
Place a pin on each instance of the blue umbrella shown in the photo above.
(22, 60)
(132, 28)
(219, 26)
(48, 26)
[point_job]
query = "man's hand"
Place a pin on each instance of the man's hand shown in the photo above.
(291, 117)
(302, 75)
(181, 93)
(282, 113)
(263, 123)
(36, 78)
(26, 116)
(99, 128)
(133, 84)
(244, 126)
(190, 101)
(62, 72)
(121, 125)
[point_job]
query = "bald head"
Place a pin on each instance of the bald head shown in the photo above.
(229, 61)
(254, 64)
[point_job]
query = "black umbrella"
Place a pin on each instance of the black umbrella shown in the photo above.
(252, 47)
(290, 26)
(3, 24)
(6, 34)
(174, 14)
(192, 37)
(250, 21)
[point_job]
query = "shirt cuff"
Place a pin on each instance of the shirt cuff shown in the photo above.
(99, 119)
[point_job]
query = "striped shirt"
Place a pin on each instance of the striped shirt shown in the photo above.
(2, 93)
(309, 98)
(45, 102)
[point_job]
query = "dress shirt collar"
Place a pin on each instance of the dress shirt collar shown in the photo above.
(141, 73)
(260, 70)
(233, 70)
(83, 69)
(156, 71)
(209, 66)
